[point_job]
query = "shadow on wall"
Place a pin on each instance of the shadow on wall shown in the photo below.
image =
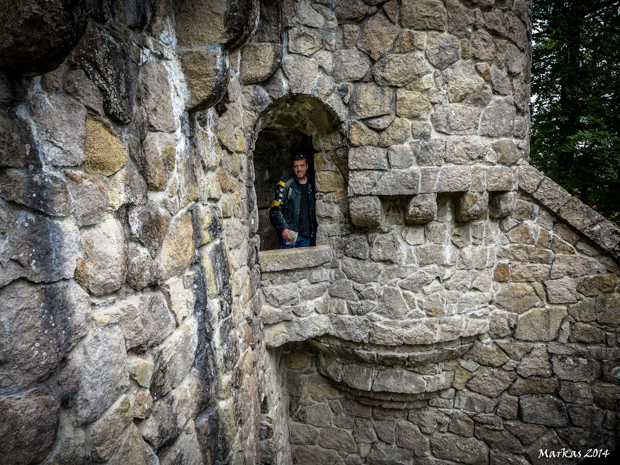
(288, 128)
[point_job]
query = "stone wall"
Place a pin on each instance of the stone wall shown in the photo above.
(128, 330)
(458, 306)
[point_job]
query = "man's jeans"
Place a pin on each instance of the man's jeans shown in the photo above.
(302, 241)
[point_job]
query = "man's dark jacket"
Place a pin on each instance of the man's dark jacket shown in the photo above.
(284, 213)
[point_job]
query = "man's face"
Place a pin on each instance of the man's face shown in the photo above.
(300, 167)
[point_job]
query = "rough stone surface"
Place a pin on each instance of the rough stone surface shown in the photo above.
(424, 14)
(543, 410)
(29, 426)
(34, 341)
(157, 96)
(101, 365)
(540, 324)
(158, 161)
(89, 197)
(177, 249)
(350, 65)
(105, 152)
(38, 190)
(104, 264)
(62, 123)
(259, 62)
(377, 36)
(109, 65)
(35, 247)
(206, 72)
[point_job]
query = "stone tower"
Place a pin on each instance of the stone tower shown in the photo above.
(458, 306)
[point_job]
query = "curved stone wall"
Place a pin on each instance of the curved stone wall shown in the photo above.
(459, 306)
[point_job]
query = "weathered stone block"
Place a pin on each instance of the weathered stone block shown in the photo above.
(464, 150)
(38, 190)
(127, 188)
(422, 14)
(101, 368)
(158, 159)
(260, 61)
(516, 297)
(421, 209)
(277, 260)
(471, 206)
(498, 120)
(370, 100)
(409, 436)
(430, 152)
(456, 119)
(230, 22)
(90, 197)
(442, 49)
(453, 179)
(337, 439)
(397, 133)
(360, 271)
(146, 321)
(173, 359)
(399, 381)
(551, 195)
(17, 148)
(490, 382)
(105, 152)
(464, 85)
(536, 363)
(377, 35)
(540, 324)
(36, 247)
(411, 104)
(575, 369)
(104, 263)
(62, 124)
(543, 410)
(350, 65)
(500, 178)
(561, 291)
(29, 423)
(400, 156)
(502, 204)
(452, 447)
(398, 182)
(157, 96)
(401, 69)
(574, 266)
(106, 433)
(177, 249)
(368, 158)
(43, 324)
(206, 72)
(366, 211)
(301, 72)
(37, 37)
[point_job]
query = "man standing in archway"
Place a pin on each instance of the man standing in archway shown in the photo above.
(292, 211)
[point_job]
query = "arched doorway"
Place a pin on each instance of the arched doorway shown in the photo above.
(301, 124)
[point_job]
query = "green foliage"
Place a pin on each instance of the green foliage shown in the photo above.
(576, 111)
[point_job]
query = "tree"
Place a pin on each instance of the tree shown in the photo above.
(576, 104)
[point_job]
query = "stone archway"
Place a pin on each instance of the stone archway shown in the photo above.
(301, 123)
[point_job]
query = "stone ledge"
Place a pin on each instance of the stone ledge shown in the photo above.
(293, 259)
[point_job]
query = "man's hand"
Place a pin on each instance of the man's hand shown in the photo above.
(285, 235)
